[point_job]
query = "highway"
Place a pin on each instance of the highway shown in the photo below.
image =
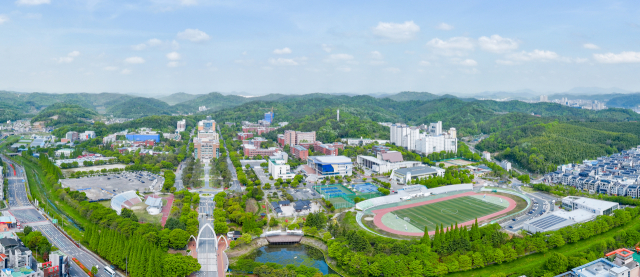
(22, 208)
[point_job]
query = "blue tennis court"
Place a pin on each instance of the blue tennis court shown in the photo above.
(365, 188)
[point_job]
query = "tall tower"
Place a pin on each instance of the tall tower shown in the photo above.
(338, 114)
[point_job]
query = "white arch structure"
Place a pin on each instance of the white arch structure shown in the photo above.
(225, 240)
(201, 238)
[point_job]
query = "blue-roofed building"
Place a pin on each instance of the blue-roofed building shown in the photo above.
(143, 137)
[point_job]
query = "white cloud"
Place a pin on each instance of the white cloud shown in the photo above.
(134, 60)
(126, 71)
(466, 62)
(327, 48)
(154, 42)
(285, 50)
(344, 68)
(444, 26)
(623, 57)
(32, 2)
(392, 69)
(193, 35)
(591, 46)
(497, 44)
(3, 18)
(110, 68)
(282, 61)
(397, 31)
(505, 62)
(456, 46)
(338, 58)
(174, 56)
(69, 58)
(534, 55)
(452, 43)
(172, 64)
(424, 63)
(188, 2)
(376, 55)
(65, 59)
(175, 45)
(139, 47)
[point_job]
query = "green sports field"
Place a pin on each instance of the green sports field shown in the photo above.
(447, 212)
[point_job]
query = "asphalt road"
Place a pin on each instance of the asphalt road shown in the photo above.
(235, 185)
(543, 204)
(17, 191)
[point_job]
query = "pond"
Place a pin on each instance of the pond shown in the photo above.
(295, 254)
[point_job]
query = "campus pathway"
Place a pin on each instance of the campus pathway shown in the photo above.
(223, 263)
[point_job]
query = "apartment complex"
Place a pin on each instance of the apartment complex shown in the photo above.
(431, 141)
(617, 174)
(181, 126)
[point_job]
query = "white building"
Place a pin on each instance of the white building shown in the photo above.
(433, 141)
(278, 168)
(181, 126)
(486, 155)
(327, 166)
(381, 166)
(404, 175)
(597, 207)
(506, 165)
(109, 139)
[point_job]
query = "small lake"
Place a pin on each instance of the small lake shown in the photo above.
(295, 254)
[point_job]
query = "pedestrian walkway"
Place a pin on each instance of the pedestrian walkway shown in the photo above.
(166, 210)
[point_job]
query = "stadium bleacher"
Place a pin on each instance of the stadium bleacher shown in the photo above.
(126, 199)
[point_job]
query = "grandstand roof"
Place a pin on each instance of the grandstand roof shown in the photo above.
(417, 170)
(154, 202)
(125, 199)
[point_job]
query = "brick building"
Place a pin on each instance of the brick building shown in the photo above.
(300, 152)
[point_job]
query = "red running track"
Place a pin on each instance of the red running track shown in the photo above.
(166, 210)
(377, 220)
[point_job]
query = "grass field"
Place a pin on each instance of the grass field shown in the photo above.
(447, 212)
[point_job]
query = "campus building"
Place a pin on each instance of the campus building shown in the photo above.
(207, 125)
(296, 137)
(327, 166)
(252, 151)
(575, 210)
(278, 168)
(244, 136)
(404, 175)
(300, 152)
(378, 165)
(623, 265)
(268, 117)
(71, 136)
(206, 149)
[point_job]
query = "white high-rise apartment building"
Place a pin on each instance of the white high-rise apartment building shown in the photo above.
(435, 141)
(182, 126)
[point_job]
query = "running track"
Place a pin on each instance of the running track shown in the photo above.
(166, 210)
(377, 220)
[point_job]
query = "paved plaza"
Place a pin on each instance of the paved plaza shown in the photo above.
(104, 187)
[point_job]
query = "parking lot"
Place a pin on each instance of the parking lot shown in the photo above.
(106, 186)
(303, 194)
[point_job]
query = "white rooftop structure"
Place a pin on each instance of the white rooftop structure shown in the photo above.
(126, 199)
(598, 207)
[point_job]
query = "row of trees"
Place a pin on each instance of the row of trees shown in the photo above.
(457, 248)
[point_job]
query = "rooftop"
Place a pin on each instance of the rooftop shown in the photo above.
(591, 203)
(331, 159)
(417, 170)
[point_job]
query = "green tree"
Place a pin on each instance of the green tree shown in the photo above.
(94, 270)
(557, 263)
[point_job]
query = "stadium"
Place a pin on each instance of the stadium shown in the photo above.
(416, 207)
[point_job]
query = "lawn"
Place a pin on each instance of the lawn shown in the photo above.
(457, 210)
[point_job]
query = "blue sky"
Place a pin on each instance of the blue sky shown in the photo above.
(257, 47)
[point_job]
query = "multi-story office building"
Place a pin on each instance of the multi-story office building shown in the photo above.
(206, 149)
(182, 125)
(278, 168)
(268, 117)
(212, 135)
(252, 151)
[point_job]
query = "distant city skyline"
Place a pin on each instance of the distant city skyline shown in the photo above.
(161, 47)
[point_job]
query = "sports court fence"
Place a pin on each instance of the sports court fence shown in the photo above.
(514, 214)
(342, 197)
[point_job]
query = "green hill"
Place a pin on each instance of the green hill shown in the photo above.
(177, 98)
(139, 107)
(64, 114)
